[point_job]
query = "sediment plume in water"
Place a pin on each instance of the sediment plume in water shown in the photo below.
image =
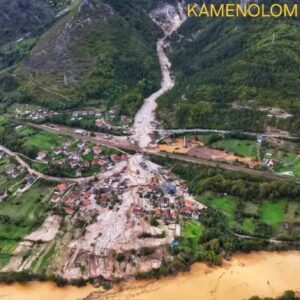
(260, 273)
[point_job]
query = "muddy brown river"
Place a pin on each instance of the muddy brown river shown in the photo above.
(261, 273)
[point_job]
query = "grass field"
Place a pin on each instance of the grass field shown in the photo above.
(293, 212)
(291, 162)
(248, 226)
(7, 248)
(239, 147)
(250, 214)
(190, 233)
(44, 140)
(251, 208)
(41, 264)
(20, 215)
(25, 131)
(272, 213)
(226, 205)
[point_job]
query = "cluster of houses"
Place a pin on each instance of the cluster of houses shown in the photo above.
(166, 202)
(159, 201)
(87, 197)
(81, 156)
(79, 114)
(14, 171)
(34, 114)
(105, 123)
(161, 197)
(19, 173)
(102, 120)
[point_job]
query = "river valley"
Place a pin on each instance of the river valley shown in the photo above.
(258, 273)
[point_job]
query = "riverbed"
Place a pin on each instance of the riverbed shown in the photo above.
(169, 18)
(258, 273)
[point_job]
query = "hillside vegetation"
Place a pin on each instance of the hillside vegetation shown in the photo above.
(102, 53)
(219, 61)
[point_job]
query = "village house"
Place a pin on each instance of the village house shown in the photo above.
(29, 179)
(57, 151)
(81, 132)
(12, 172)
(86, 151)
(97, 150)
(60, 189)
(69, 211)
(168, 189)
(81, 145)
(165, 202)
(115, 158)
(41, 155)
(136, 210)
(101, 122)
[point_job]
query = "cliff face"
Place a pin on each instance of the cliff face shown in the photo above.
(169, 15)
(19, 18)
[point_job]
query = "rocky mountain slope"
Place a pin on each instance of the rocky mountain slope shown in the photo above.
(20, 18)
(100, 53)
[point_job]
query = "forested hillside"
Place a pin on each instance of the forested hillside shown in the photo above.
(102, 53)
(219, 61)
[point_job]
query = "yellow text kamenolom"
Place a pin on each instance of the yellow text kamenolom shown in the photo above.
(232, 10)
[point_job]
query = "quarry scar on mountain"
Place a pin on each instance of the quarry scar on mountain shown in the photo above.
(253, 10)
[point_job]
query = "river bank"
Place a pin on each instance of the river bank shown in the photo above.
(258, 273)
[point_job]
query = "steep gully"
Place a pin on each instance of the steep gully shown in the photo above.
(169, 18)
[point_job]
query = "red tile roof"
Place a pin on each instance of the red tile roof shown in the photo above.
(97, 149)
(86, 202)
(61, 187)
